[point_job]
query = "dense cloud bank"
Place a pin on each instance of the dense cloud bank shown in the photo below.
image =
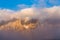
(42, 14)
(49, 27)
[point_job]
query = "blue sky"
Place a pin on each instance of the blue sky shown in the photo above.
(12, 4)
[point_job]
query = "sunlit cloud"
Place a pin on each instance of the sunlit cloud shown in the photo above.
(48, 18)
(44, 13)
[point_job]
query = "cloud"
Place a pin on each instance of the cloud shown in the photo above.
(23, 6)
(46, 3)
(29, 12)
(54, 2)
(50, 15)
(5, 14)
(49, 19)
(33, 12)
(40, 4)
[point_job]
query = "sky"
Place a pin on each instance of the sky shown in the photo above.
(18, 4)
(10, 7)
(49, 16)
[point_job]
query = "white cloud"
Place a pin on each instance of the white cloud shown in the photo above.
(44, 13)
(6, 14)
(22, 6)
(54, 2)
